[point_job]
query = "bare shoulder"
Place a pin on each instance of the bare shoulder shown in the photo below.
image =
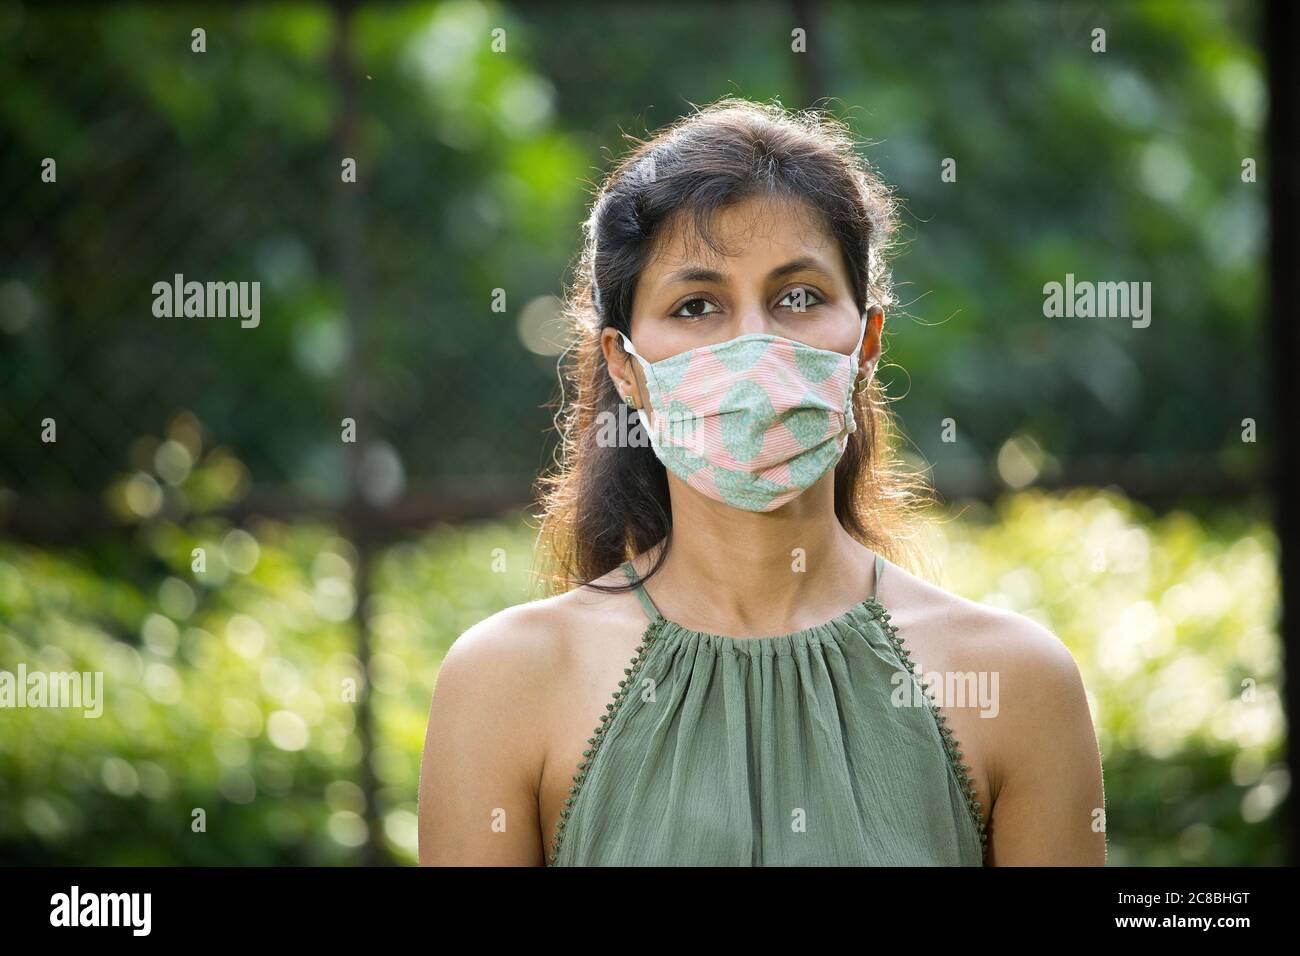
(526, 650)
(512, 646)
(1037, 763)
(1023, 675)
(508, 688)
(966, 634)
(491, 682)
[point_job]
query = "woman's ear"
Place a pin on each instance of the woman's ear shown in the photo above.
(619, 364)
(871, 340)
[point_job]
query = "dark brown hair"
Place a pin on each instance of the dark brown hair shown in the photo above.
(604, 505)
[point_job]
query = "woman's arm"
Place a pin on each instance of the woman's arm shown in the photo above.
(1049, 804)
(483, 752)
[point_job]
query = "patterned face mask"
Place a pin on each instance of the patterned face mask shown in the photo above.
(753, 421)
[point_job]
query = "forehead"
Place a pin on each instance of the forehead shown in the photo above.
(755, 233)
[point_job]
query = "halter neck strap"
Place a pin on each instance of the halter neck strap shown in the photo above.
(651, 611)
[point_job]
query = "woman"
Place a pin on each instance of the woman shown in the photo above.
(718, 681)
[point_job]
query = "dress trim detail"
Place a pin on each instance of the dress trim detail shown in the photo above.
(606, 719)
(950, 745)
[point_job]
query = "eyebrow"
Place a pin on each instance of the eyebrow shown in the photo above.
(700, 274)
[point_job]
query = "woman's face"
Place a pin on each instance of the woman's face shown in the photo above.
(688, 296)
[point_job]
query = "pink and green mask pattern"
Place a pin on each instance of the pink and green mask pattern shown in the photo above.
(754, 421)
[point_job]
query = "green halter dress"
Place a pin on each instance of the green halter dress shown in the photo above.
(816, 748)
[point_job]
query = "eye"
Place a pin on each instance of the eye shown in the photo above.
(693, 314)
(811, 297)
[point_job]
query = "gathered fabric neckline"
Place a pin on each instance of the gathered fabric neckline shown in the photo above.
(846, 630)
(823, 633)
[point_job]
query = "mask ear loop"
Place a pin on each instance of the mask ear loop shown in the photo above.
(865, 380)
(641, 387)
(861, 383)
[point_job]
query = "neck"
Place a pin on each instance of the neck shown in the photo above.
(743, 573)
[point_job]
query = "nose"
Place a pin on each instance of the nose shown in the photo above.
(754, 319)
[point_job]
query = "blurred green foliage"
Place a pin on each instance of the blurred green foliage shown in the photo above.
(475, 169)
(227, 691)
(1173, 622)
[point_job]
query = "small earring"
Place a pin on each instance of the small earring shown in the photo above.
(629, 401)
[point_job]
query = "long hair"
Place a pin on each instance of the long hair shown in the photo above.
(603, 505)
